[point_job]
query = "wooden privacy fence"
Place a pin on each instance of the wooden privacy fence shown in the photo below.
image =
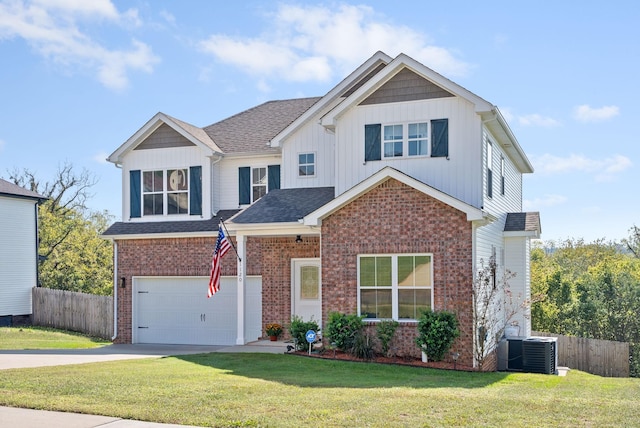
(68, 310)
(599, 357)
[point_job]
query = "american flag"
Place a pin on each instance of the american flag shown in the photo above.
(222, 246)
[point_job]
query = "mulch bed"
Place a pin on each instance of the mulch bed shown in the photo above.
(379, 359)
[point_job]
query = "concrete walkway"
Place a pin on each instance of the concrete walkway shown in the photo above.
(26, 418)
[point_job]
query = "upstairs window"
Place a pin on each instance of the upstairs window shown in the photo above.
(255, 182)
(489, 169)
(306, 164)
(502, 175)
(165, 192)
(407, 140)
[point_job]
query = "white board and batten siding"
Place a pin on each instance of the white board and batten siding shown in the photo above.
(18, 255)
(162, 159)
(457, 176)
(176, 310)
(225, 181)
(311, 138)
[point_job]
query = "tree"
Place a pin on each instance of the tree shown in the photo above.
(633, 242)
(73, 256)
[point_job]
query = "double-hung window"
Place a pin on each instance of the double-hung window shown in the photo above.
(258, 183)
(429, 138)
(489, 169)
(165, 188)
(395, 287)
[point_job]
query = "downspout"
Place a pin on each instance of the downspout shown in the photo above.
(115, 290)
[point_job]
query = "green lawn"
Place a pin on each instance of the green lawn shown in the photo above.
(45, 338)
(286, 390)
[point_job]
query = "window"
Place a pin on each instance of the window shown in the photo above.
(153, 192)
(502, 175)
(418, 139)
(394, 286)
(255, 182)
(489, 169)
(306, 164)
(392, 141)
(409, 139)
(176, 190)
(258, 183)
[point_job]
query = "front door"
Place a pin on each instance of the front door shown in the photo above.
(306, 290)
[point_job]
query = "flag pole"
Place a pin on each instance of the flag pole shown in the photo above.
(230, 241)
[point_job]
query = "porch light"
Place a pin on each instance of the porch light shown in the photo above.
(123, 282)
(298, 239)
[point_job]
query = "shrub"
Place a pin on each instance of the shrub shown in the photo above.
(298, 330)
(436, 332)
(362, 346)
(385, 330)
(342, 329)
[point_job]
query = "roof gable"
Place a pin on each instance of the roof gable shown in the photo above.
(344, 89)
(162, 138)
(190, 133)
(315, 218)
(406, 85)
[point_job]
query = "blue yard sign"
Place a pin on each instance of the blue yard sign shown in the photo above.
(311, 337)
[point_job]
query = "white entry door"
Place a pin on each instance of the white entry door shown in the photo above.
(306, 293)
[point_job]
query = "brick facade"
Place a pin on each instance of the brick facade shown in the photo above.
(395, 218)
(391, 218)
(170, 257)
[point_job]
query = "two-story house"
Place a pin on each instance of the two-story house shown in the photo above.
(381, 198)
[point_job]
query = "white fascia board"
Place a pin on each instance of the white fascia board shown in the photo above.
(522, 234)
(315, 218)
(130, 236)
(330, 97)
(270, 229)
(154, 123)
(400, 62)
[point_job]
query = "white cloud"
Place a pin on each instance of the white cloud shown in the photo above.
(604, 169)
(101, 157)
(52, 28)
(538, 120)
(168, 17)
(311, 43)
(543, 202)
(585, 113)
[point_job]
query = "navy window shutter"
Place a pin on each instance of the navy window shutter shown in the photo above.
(244, 185)
(195, 190)
(372, 142)
(135, 190)
(273, 172)
(440, 138)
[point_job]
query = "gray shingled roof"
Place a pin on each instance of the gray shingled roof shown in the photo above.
(286, 205)
(522, 222)
(137, 228)
(10, 189)
(251, 130)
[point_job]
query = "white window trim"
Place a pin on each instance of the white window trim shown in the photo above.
(315, 164)
(266, 184)
(165, 193)
(405, 139)
(394, 283)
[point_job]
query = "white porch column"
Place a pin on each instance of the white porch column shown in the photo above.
(241, 241)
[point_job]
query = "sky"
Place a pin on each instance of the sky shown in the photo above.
(78, 78)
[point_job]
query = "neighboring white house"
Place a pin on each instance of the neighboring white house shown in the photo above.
(18, 252)
(380, 198)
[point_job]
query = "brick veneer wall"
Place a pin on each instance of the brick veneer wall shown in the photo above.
(171, 257)
(395, 218)
(276, 275)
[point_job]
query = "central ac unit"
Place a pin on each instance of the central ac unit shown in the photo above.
(540, 355)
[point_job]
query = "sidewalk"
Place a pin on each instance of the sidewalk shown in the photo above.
(27, 418)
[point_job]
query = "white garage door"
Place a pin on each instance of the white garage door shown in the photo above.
(175, 310)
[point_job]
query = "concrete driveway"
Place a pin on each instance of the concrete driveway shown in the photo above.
(58, 357)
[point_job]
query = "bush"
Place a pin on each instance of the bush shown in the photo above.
(298, 330)
(362, 346)
(436, 333)
(385, 330)
(342, 329)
